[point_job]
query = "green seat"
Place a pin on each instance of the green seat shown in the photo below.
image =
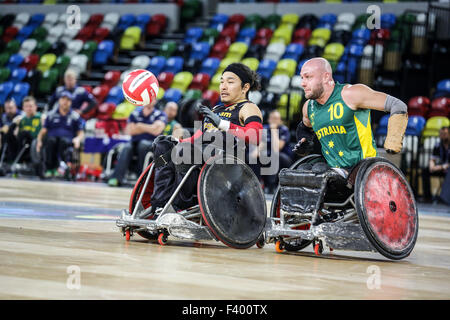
(286, 66)
(48, 82)
(252, 63)
(61, 64)
(361, 22)
(272, 21)
(13, 46)
(4, 74)
(167, 49)
(182, 80)
(237, 50)
(88, 49)
(189, 11)
(209, 35)
(40, 33)
(193, 94)
(46, 62)
(252, 21)
(433, 125)
(4, 58)
(130, 38)
(42, 47)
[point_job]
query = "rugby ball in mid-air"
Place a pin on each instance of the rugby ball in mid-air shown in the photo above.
(140, 87)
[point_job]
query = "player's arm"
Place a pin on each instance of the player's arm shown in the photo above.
(307, 139)
(360, 96)
(156, 128)
(40, 138)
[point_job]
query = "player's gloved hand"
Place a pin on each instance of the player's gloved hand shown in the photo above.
(303, 147)
(396, 131)
(207, 113)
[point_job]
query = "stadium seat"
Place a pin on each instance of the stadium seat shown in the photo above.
(85, 33)
(200, 51)
(73, 48)
(210, 66)
(5, 89)
(172, 94)
(293, 51)
(95, 20)
(253, 21)
(286, 67)
(13, 46)
(236, 18)
(275, 51)
(140, 62)
(14, 61)
(415, 125)
(104, 52)
(440, 107)
(290, 18)
(27, 47)
(192, 94)
(418, 106)
(88, 49)
(250, 62)
(182, 80)
(225, 63)
(24, 33)
(255, 97)
(157, 25)
(282, 34)
(246, 35)
(174, 64)
(46, 62)
(30, 62)
(10, 33)
(18, 75)
(266, 68)
(156, 65)
(123, 111)
(4, 58)
(21, 19)
(55, 33)
(236, 51)
(212, 96)
(115, 95)
(100, 92)
(4, 74)
(50, 20)
(200, 82)
(218, 21)
(105, 112)
(193, 34)
(165, 79)
(111, 78)
(272, 21)
(167, 49)
(215, 82)
(130, 38)
(220, 48)
(442, 89)
(301, 36)
(279, 84)
(126, 21)
(19, 92)
(61, 64)
(79, 63)
(388, 20)
(110, 21)
(100, 34)
(433, 125)
(209, 35)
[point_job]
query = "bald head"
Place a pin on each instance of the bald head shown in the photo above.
(317, 77)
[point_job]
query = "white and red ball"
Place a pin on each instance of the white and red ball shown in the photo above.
(140, 87)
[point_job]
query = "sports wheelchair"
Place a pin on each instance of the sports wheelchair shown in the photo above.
(373, 209)
(231, 206)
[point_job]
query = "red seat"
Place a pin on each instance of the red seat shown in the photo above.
(10, 33)
(230, 32)
(301, 34)
(110, 127)
(236, 18)
(30, 62)
(86, 33)
(200, 81)
(88, 88)
(379, 36)
(160, 19)
(212, 96)
(440, 107)
(157, 24)
(111, 78)
(95, 20)
(100, 34)
(418, 106)
(100, 92)
(106, 110)
(220, 49)
(165, 79)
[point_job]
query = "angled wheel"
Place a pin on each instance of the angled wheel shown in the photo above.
(231, 201)
(386, 208)
(297, 244)
(146, 199)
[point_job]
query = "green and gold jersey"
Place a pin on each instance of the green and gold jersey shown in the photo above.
(344, 134)
(32, 125)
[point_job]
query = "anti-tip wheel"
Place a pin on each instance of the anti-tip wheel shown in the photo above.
(279, 246)
(261, 242)
(127, 235)
(162, 239)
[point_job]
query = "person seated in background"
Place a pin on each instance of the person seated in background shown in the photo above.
(11, 113)
(173, 127)
(63, 131)
(144, 125)
(439, 161)
(25, 128)
(276, 139)
(83, 102)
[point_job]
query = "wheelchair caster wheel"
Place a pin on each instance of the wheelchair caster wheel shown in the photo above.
(261, 242)
(127, 235)
(318, 248)
(279, 246)
(162, 239)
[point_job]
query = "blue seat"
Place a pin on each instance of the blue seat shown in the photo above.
(382, 126)
(218, 21)
(36, 19)
(125, 21)
(200, 50)
(25, 32)
(142, 20)
(156, 65)
(388, 20)
(104, 51)
(328, 18)
(172, 94)
(210, 66)
(293, 51)
(266, 68)
(14, 61)
(325, 25)
(115, 95)
(415, 125)
(19, 92)
(246, 35)
(193, 35)
(443, 85)
(360, 36)
(174, 65)
(300, 66)
(5, 90)
(17, 75)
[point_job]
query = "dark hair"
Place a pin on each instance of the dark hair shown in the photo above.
(246, 75)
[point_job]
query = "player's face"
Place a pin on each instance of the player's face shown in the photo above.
(312, 82)
(231, 90)
(65, 103)
(29, 108)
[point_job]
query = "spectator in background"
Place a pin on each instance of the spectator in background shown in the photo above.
(83, 102)
(144, 125)
(439, 161)
(173, 127)
(276, 141)
(63, 131)
(25, 128)
(10, 114)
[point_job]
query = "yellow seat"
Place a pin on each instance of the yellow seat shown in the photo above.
(123, 111)
(226, 62)
(317, 42)
(237, 50)
(290, 18)
(286, 66)
(46, 62)
(323, 33)
(160, 94)
(283, 34)
(182, 80)
(215, 82)
(333, 51)
(130, 38)
(295, 104)
(433, 125)
(252, 63)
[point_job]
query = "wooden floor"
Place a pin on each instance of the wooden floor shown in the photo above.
(59, 241)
